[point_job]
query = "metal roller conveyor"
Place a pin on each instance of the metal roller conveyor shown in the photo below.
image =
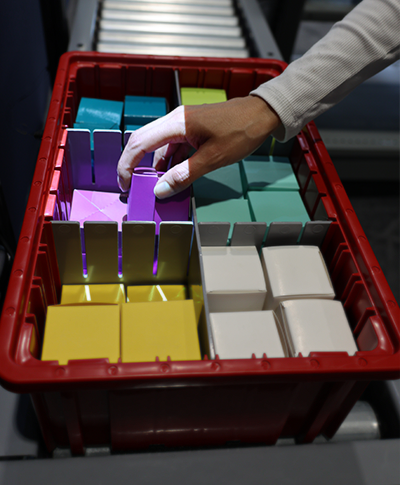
(156, 28)
(216, 3)
(191, 9)
(169, 50)
(122, 37)
(179, 28)
(167, 18)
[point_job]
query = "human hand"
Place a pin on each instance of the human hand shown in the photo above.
(222, 133)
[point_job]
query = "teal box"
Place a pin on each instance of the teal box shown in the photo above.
(234, 210)
(276, 206)
(132, 127)
(100, 111)
(140, 110)
(268, 173)
(222, 184)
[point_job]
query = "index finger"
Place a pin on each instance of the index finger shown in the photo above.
(169, 128)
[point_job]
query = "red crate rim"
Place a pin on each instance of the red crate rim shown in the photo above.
(29, 374)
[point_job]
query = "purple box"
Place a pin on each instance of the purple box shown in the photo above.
(144, 206)
(88, 205)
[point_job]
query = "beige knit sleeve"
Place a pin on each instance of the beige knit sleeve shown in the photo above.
(366, 41)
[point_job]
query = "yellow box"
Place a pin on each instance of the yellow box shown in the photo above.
(191, 96)
(155, 293)
(82, 332)
(159, 329)
(109, 294)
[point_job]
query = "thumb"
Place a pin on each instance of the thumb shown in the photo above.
(174, 181)
(183, 174)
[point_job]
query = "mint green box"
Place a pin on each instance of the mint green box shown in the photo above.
(222, 184)
(194, 96)
(268, 173)
(273, 206)
(234, 210)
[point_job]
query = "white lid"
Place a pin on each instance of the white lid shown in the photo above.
(230, 269)
(316, 325)
(296, 271)
(238, 335)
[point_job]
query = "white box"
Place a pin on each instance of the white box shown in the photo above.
(293, 272)
(238, 335)
(315, 326)
(233, 278)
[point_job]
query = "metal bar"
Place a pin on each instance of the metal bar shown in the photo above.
(257, 25)
(170, 50)
(157, 28)
(219, 3)
(169, 18)
(107, 36)
(156, 7)
(84, 24)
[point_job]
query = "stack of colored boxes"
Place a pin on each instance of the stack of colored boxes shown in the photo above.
(281, 306)
(257, 189)
(95, 322)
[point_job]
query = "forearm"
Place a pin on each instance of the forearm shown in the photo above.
(362, 44)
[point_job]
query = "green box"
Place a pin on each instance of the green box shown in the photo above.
(192, 96)
(274, 206)
(234, 210)
(222, 184)
(268, 173)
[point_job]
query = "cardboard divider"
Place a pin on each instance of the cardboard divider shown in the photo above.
(138, 246)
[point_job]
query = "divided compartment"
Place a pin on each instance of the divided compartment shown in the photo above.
(196, 403)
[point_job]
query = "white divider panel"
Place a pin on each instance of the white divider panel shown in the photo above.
(79, 159)
(101, 241)
(107, 151)
(173, 253)
(248, 234)
(314, 233)
(67, 239)
(214, 233)
(283, 233)
(138, 252)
